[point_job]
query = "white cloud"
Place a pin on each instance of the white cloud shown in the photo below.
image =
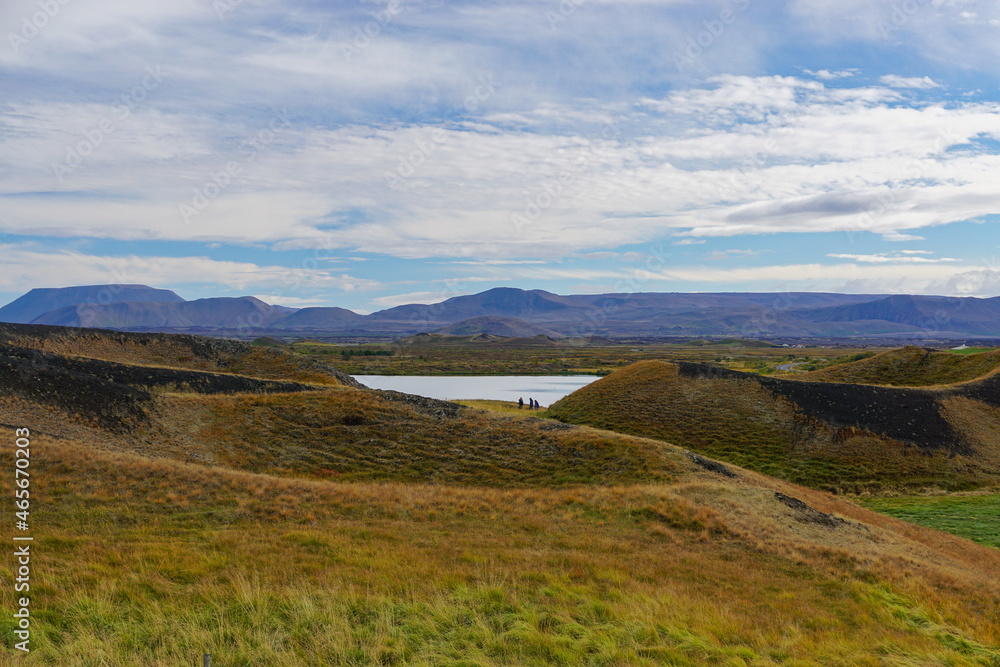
(901, 278)
(944, 32)
(751, 156)
(733, 98)
(921, 83)
(26, 267)
(827, 75)
(901, 237)
(889, 258)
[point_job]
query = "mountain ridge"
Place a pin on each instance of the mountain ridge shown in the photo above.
(640, 314)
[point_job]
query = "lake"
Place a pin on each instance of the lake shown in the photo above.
(546, 389)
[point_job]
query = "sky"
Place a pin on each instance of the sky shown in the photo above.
(369, 154)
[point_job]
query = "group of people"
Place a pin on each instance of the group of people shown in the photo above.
(532, 404)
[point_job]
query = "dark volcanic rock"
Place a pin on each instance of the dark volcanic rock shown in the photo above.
(986, 390)
(709, 464)
(807, 514)
(42, 378)
(423, 404)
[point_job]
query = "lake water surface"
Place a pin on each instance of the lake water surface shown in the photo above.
(546, 389)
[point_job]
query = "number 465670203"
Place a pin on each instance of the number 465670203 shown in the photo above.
(21, 461)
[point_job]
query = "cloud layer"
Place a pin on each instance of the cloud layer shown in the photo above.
(479, 132)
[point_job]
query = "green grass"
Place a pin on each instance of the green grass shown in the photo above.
(973, 350)
(975, 517)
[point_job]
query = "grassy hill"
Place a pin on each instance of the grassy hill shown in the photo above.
(175, 351)
(327, 524)
(825, 435)
(911, 366)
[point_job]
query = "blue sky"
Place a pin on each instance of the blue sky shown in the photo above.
(366, 154)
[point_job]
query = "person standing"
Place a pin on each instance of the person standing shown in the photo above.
(520, 402)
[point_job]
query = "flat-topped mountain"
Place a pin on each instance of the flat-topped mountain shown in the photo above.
(218, 313)
(40, 301)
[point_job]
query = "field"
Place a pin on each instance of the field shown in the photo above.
(462, 356)
(268, 512)
(972, 516)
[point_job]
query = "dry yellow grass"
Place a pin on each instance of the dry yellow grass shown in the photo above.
(346, 433)
(148, 561)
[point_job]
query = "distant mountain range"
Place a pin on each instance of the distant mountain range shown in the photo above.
(507, 311)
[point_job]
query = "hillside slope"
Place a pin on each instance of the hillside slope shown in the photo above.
(327, 524)
(152, 561)
(821, 434)
(910, 366)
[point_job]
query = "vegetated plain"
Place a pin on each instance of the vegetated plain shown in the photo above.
(305, 521)
(432, 354)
